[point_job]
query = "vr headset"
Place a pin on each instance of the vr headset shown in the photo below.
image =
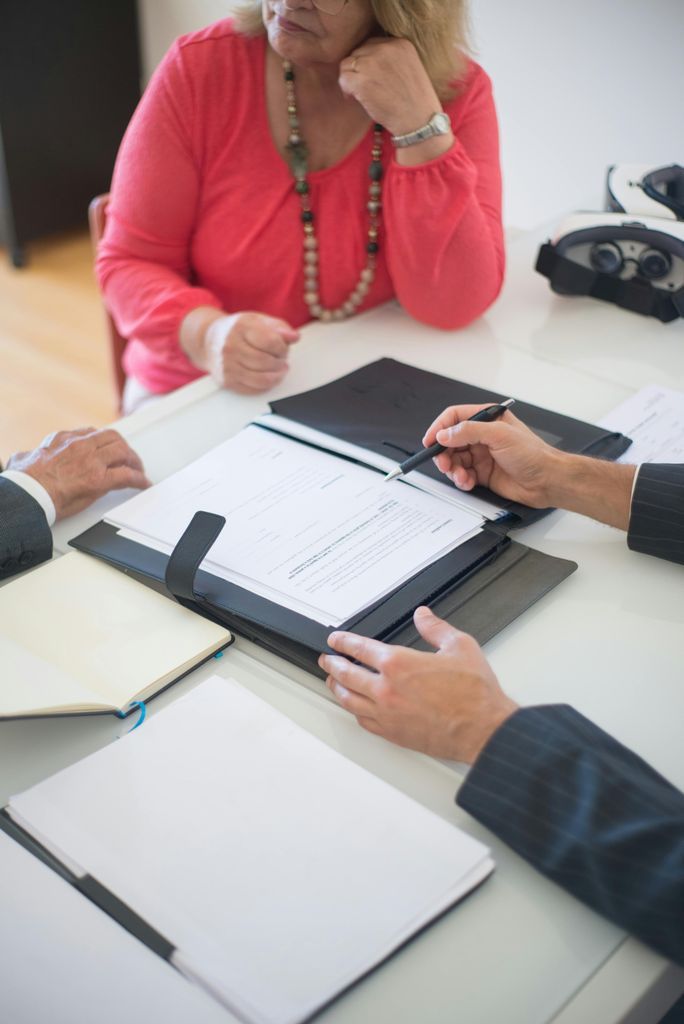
(647, 191)
(632, 256)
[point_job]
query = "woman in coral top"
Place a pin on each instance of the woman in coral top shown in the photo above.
(308, 159)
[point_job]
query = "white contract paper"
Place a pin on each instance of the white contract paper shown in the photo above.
(654, 419)
(314, 532)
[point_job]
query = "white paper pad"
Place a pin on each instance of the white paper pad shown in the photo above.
(444, 490)
(654, 419)
(65, 961)
(279, 870)
(315, 533)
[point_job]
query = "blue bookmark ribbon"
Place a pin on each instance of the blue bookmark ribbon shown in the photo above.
(132, 706)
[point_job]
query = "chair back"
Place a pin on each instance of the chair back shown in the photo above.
(97, 218)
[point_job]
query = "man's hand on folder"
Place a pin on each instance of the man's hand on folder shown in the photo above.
(510, 459)
(446, 704)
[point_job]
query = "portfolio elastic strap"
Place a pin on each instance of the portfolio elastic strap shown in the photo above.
(189, 553)
(636, 294)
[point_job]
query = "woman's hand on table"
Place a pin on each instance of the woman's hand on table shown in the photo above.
(246, 352)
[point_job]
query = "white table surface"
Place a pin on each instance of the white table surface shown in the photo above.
(607, 640)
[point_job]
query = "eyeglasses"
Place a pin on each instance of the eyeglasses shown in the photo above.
(331, 7)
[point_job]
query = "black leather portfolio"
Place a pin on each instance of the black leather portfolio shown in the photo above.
(385, 407)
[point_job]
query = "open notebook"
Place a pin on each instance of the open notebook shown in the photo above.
(78, 637)
(263, 864)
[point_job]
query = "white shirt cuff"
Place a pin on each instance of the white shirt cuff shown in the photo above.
(634, 483)
(36, 490)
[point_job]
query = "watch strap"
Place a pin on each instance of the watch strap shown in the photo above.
(428, 131)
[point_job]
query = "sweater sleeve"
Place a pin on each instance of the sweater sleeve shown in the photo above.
(143, 264)
(588, 813)
(656, 523)
(443, 219)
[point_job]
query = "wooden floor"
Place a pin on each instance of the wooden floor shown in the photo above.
(54, 360)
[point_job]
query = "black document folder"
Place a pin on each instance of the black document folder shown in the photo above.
(385, 407)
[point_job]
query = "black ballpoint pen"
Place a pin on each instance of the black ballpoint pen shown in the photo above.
(492, 412)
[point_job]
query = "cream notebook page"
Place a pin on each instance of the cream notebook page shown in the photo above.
(77, 633)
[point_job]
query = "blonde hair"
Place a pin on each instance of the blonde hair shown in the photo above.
(437, 28)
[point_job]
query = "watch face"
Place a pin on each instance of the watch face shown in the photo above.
(441, 123)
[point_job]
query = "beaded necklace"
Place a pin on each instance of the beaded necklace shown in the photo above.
(298, 159)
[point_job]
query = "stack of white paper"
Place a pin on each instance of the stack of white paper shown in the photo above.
(654, 419)
(280, 871)
(310, 531)
(64, 961)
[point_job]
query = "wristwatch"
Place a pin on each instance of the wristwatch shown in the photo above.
(439, 124)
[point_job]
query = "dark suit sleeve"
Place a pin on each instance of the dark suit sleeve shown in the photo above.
(25, 537)
(656, 524)
(589, 814)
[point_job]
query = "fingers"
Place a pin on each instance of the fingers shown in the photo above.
(361, 648)
(286, 331)
(470, 432)
(247, 382)
(265, 342)
(255, 361)
(464, 479)
(350, 675)
(370, 725)
(454, 414)
(355, 703)
(347, 81)
(268, 334)
(116, 452)
(436, 631)
(118, 477)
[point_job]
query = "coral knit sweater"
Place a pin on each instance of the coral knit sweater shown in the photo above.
(203, 211)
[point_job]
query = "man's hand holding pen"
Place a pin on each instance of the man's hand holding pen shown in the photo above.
(516, 463)
(505, 455)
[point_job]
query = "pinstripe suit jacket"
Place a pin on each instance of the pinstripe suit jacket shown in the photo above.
(579, 806)
(25, 537)
(656, 525)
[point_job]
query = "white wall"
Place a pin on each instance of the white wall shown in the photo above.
(162, 21)
(579, 84)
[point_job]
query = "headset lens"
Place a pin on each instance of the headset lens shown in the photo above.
(654, 264)
(606, 258)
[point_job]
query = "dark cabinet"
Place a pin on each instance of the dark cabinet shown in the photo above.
(69, 82)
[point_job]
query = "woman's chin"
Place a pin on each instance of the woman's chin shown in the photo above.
(300, 49)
